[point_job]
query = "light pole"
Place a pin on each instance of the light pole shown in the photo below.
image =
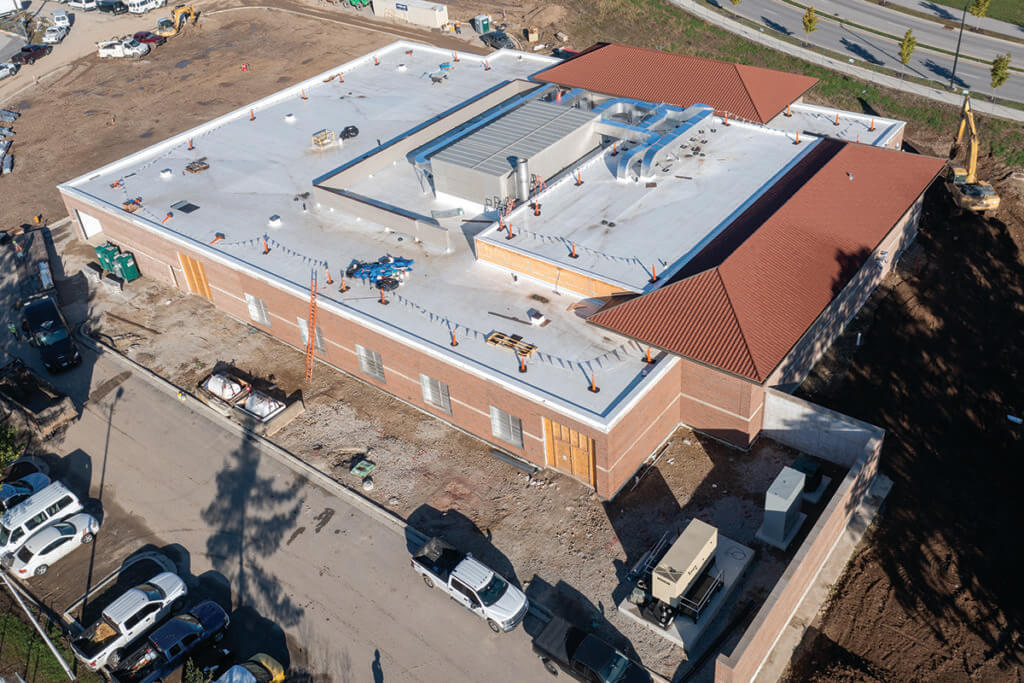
(956, 57)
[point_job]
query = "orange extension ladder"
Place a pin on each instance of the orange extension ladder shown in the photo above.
(311, 328)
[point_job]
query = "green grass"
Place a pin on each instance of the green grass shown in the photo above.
(659, 24)
(22, 650)
(1004, 10)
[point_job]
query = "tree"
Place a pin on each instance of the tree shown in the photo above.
(193, 674)
(1000, 69)
(907, 46)
(810, 21)
(979, 8)
(10, 446)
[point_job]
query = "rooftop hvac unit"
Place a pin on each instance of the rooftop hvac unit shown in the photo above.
(686, 560)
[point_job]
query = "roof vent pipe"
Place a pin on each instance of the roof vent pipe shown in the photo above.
(522, 180)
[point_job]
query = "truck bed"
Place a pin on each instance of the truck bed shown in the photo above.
(558, 640)
(438, 557)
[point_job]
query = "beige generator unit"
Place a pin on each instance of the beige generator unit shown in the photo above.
(429, 14)
(686, 560)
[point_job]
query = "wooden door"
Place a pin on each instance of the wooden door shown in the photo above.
(195, 275)
(570, 451)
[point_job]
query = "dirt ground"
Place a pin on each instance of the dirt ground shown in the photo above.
(933, 595)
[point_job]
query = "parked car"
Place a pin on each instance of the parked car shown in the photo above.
(48, 331)
(497, 40)
(128, 618)
(62, 18)
(114, 7)
(19, 523)
(470, 583)
(15, 492)
(259, 668)
(167, 648)
(8, 69)
(54, 34)
(143, 6)
(24, 466)
(584, 656)
(149, 38)
(84, 5)
(50, 544)
(30, 53)
(122, 48)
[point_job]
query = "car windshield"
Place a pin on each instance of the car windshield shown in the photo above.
(24, 554)
(152, 592)
(493, 591)
(613, 670)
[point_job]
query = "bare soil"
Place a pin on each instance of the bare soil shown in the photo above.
(934, 595)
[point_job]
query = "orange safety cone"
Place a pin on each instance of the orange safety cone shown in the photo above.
(330, 280)
(166, 218)
(455, 56)
(487, 66)
(593, 384)
(304, 94)
(190, 145)
(252, 115)
(615, 149)
(797, 141)
(572, 254)
(522, 363)
(725, 120)
(344, 287)
(648, 359)
(872, 128)
(341, 77)
(579, 178)
(454, 341)
(836, 122)
(383, 299)
(654, 274)
(217, 238)
(376, 62)
(788, 112)
(536, 208)
(510, 235)
(266, 247)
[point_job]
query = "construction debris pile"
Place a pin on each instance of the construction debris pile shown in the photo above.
(386, 273)
(6, 158)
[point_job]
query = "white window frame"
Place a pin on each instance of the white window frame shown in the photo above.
(318, 339)
(435, 393)
(370, 363)
(257, 310)
(506, 427)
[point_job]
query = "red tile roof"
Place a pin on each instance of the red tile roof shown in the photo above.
(749, 92)
(746, 313)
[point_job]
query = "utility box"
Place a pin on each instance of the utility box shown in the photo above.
(686, 560)
(782, 516)
(419, 12)
(106, 253)
(125, 267)
(482, 23)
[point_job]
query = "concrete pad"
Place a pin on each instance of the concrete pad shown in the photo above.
(731, 558)
(784, 543)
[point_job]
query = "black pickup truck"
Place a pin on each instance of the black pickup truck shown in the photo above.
(584, 656)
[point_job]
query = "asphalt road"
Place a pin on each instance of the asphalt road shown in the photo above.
(336, 581)
(866, 47)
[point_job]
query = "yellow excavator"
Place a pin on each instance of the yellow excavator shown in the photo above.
(180, 15)
(967, 191)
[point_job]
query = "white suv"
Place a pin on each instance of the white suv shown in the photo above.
(127, 618)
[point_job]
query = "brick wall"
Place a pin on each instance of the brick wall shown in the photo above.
(725, 406)
(778, 608)
(829, 325)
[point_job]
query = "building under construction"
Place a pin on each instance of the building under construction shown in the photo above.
(565, 259)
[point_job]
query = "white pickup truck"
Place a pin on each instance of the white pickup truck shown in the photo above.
(123, 47)
(471, 584)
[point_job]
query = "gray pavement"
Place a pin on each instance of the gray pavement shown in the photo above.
(951, 14)
(9, 45)
(301, 558)
(865, 47)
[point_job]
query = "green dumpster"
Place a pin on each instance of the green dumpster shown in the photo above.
(125, 267)
(106, 253)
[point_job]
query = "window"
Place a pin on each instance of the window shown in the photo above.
(53, 546)
(257, 310)
(467, 591)
(37, 520)
(318, 340)
(436, 393)
(58, 506)
(174, 651)
(506, 427)
(370, 363)
(133, 621)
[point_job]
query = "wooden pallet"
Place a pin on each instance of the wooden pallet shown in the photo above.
(197, 166)
(511, 341)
